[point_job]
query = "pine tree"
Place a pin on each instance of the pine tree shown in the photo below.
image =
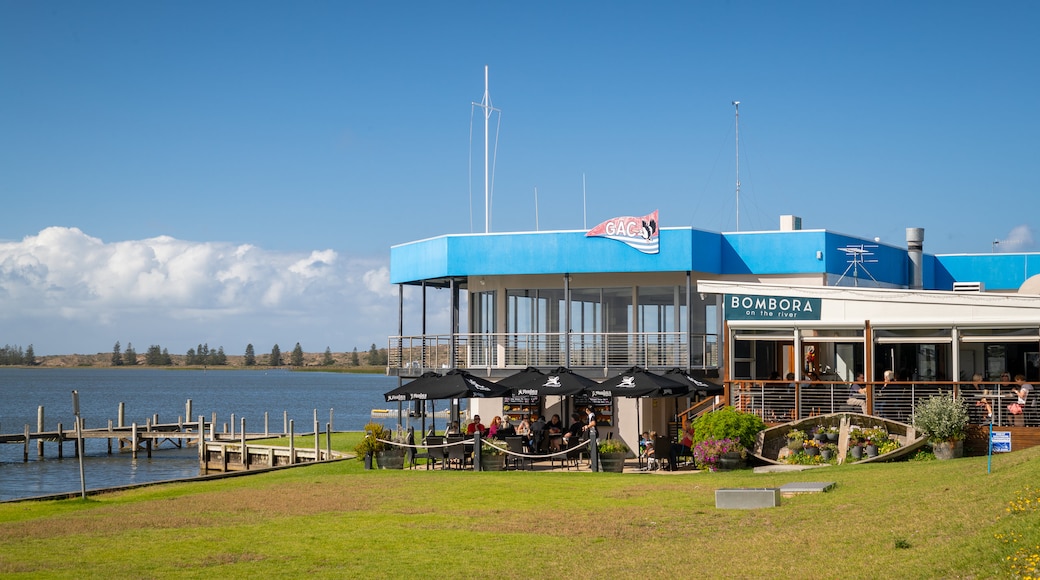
(154, 356)
(167, 360)
(30, 356)
(250, 358)
(373, 356)
(129, 355)
(219, 358)
(327, 360)
(275, 360)
(117, 355)
(355, 360)
(190, 358)
(296, 358)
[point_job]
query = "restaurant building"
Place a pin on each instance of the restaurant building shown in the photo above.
(751, 306)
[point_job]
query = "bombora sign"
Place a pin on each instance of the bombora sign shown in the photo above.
(745, 307)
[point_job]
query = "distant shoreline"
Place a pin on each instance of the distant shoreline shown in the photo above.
(103, 361)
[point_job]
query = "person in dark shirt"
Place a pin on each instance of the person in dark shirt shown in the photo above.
(554, 433)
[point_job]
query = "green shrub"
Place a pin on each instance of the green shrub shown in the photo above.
(941, 418)
(728, 423)
(373, 444)
(612, 446)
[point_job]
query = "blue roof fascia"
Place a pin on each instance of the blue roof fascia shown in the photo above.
(996, 271)
(549, 253)
(795, 252)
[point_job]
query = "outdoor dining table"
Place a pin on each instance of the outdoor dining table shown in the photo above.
(999, 402)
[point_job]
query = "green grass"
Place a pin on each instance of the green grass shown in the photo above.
(946, 519)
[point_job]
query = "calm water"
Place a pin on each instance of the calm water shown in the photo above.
(147, 392)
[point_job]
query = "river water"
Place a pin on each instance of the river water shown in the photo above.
(145, 392)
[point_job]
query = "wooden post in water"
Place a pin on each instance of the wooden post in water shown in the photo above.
(245, 452)
(148, 441)
(330, 420)
(328, 441)
(133, 440)
(317, 441)
(25, 453)
(39, 429)
(266, 432)
(232, 426)
(155, 419)
(187, 410)
(202, 443)
(61, 441)
(121, 415)
(285, 422)
(109, 439)
(292, 444)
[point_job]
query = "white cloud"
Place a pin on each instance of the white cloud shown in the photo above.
(1019, 239)
(64, 291)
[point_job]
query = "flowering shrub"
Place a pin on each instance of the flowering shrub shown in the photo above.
(706, 454)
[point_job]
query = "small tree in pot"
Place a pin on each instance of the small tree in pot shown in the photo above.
(944, 421)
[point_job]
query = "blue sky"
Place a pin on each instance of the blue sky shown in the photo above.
(235, 172)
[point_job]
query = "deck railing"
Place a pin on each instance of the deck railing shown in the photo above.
(783, 401)
(587, 350)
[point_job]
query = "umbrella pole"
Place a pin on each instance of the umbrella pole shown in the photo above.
(639, 434)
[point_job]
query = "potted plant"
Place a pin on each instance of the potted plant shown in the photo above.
(832, 433)
(371, 443)
(795, 438)
(493, 455)
(612, 454)
(820, 434)
(829, 451)
(715, 454)
(944, 421)
(728, 423)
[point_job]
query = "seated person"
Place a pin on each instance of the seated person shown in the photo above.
(575, 431)
(476, 426)
(496, 424)
(858, 394)
(554, 433)
(537, 433)
(686, 444)
(453, 429)
(505, 429)
(648, 450)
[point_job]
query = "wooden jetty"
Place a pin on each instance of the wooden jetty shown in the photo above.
(220, 451)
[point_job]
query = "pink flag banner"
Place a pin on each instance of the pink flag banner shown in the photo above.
(640, 233)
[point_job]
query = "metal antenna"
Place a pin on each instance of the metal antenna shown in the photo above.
(485, 104)
(736, 108)
(857, 258)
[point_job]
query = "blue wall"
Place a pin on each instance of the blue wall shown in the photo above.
(682, 249)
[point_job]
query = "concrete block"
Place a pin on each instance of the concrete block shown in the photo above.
(747, 498)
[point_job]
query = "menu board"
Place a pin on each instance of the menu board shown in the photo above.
(518, 408)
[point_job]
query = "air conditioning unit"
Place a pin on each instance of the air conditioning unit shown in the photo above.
(968, 287)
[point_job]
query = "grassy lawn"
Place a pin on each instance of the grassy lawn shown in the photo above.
(947, 519)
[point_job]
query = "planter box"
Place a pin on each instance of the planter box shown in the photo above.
(390, 460)
(747, 498)
(612, 462)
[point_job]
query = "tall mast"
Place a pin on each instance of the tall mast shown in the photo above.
(486, 105)
(736, 107)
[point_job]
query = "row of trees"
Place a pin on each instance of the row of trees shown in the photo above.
(14, 355)
(201, 356)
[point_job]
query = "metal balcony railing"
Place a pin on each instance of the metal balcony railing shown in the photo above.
(587, 350)
(783, 401)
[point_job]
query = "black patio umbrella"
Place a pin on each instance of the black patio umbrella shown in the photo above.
(454, 384)
(639, 382)
(561, 381)
(698, 380)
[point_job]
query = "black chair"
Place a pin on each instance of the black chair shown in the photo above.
(663, 451)
(574, 451)
(515, 445)
(457, 456)
(434, 453)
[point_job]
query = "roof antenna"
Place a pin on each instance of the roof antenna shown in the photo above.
(736, 108)
(488, 109)
(584, 204)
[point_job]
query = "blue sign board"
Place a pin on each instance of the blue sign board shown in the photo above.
(751, 307)
(1001, 441)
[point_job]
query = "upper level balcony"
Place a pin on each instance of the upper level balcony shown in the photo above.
(499, 354)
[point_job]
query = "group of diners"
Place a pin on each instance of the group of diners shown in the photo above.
(538, 435)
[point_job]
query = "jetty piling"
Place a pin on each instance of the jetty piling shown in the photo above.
(285, 422)
(292, 443)
(39, 429)
(266, 432)
(121, 417)
(61, 441)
